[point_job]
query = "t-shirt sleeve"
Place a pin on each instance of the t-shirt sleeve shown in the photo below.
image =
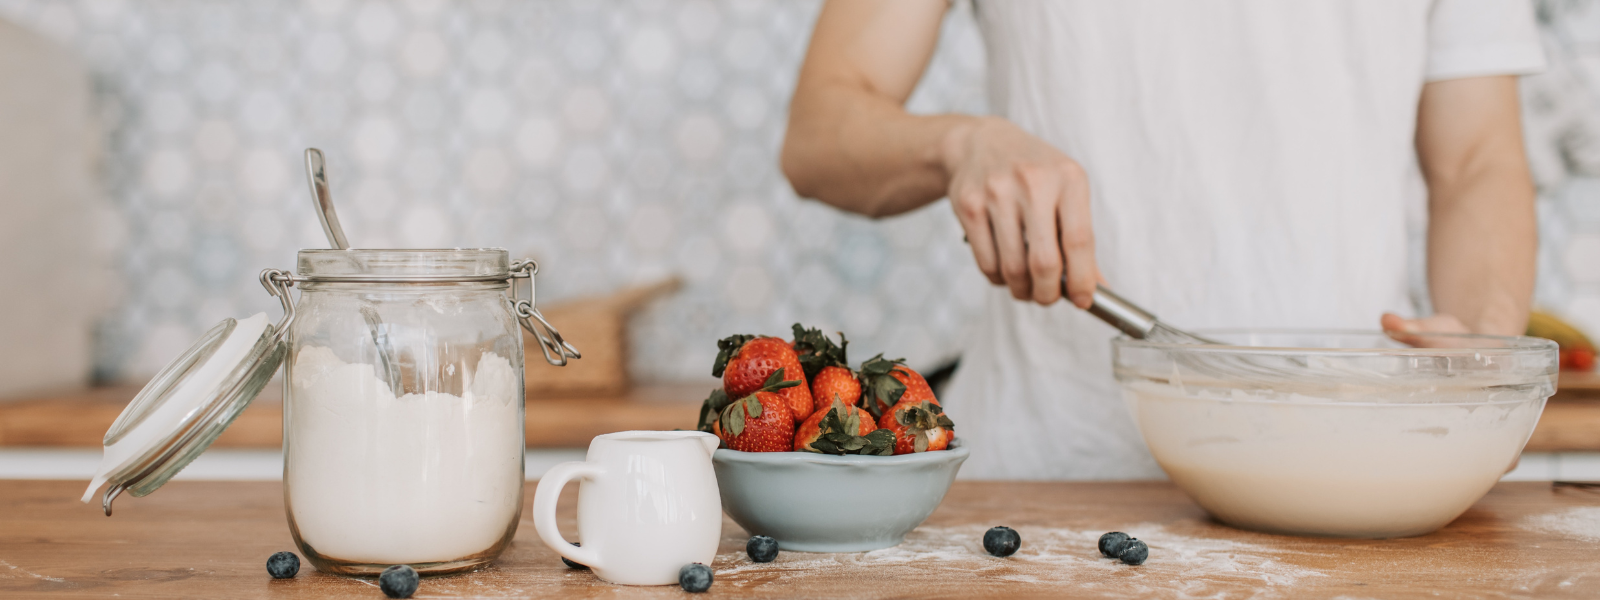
(1475, 38)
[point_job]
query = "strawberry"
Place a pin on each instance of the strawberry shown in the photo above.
(827, 367)
(1577, 359)
(745, 361)
(842, 429)
(914, 382)
(918, 427)
(835, 383)
(886, 383)
(760, 421)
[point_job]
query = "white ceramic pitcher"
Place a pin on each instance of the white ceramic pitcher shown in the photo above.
(647, 505)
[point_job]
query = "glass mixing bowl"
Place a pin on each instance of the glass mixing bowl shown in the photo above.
(1336, 433)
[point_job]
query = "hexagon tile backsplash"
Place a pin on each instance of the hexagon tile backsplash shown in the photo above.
(616, 141)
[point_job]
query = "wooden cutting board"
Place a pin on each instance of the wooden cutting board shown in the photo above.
(598, 328)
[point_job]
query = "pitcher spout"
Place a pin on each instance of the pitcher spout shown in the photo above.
(711, 442)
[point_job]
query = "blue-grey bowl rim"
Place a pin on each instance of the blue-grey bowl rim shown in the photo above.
(955, 451)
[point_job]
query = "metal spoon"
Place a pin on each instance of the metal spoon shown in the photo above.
(317, 173)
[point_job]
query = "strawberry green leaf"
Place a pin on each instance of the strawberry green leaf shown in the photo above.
(909, 416)
(817, 351)
(881, 389)
(879, 443)
(733, 419)
(921, 441)
(712, 408)
(832, 422)
(878, 365)
(727, 349)
(776, 382)
(850, 423)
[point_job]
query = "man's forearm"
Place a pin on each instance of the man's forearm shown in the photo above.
(850, 142)
(1482, 231)
(1482, 249)
(860, 152)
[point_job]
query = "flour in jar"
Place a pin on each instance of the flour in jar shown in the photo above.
(1366, 467)
(421, 478)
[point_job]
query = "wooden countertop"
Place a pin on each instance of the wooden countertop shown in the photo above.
(211, 540)
(1571, 420)
(80, 418)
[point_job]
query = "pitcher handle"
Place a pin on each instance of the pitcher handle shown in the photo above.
(544, 510)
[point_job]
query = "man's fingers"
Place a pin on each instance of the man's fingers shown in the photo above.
(1077, 236)
(1394, 323)
(1415, 332)
(1039, 229)
(974, 218)
(1005, 216)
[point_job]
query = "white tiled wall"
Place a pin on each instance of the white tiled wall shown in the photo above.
(1562, 108)
(616, 141)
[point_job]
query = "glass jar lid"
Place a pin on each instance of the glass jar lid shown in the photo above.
(192, 400)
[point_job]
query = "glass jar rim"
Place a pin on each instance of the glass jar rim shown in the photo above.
(378, 265)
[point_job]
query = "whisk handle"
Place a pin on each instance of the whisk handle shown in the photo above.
(1122, 314)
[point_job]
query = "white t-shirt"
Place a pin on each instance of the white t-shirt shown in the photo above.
(1251, 165)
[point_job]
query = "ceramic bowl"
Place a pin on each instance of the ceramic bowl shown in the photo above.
(822, 503)
(1336, 433)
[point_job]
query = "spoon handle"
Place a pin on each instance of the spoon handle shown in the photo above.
(317, 172)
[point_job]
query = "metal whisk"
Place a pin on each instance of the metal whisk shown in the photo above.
(1140, 324)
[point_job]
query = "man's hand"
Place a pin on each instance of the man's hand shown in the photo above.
(1411, 331)
(850, 143)
(1025, 208)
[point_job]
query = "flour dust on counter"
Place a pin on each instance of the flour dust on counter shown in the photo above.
(1048, 556)
(1582, 523)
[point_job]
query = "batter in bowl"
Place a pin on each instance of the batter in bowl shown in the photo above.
(1364, 465)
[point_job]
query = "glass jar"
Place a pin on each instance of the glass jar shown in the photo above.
(403, 407)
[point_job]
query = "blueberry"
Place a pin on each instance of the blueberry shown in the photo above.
(1001, 541)
(1111, 543)
(283, 565)
(1134, 552)
(762, 549)
(695, 577)
(399, 581)
(571, 564)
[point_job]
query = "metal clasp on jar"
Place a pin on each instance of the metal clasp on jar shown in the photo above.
(278, 283)
(556, 349)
